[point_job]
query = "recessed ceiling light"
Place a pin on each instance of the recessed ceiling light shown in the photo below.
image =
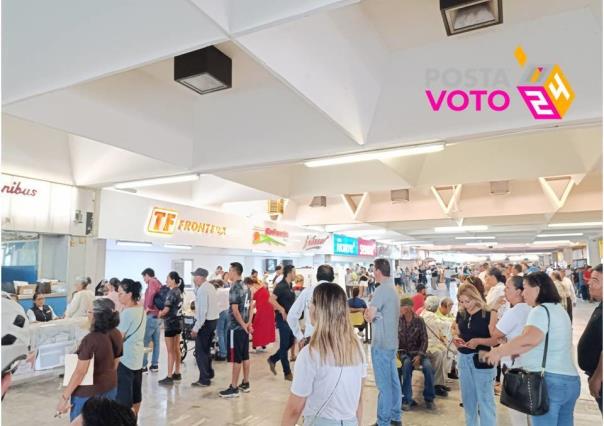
(178, 246)
(382, 154)
(474, 238)
(133, 244)
(465, 15)
(459, 229)
(569, 234)
(156, 181)
(553, 242)
(574, 225)
(203, 71)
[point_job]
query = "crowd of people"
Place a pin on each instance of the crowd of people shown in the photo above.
(506, 317)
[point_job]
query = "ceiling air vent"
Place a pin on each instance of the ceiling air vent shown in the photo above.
(501, 187)
(399, 195)
(319, 201)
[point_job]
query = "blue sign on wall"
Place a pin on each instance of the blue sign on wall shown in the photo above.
(345, 246)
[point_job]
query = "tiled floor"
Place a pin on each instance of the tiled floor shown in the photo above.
(181, 405)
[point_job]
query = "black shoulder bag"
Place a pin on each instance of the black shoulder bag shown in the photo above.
(526, 391)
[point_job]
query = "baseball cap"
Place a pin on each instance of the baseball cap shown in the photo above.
(200, 272)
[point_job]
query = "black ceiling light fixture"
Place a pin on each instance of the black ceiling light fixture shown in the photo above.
(460, 16)
(204, 71)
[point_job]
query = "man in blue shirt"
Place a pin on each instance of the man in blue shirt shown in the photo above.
(355, 303)
(383, 313)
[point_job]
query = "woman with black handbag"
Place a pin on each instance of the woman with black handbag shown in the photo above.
(472, 333)
(548, 386)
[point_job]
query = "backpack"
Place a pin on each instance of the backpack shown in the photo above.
(159, 300)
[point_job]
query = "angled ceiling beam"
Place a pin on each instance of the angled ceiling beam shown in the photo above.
(557, 189)
(447, 197)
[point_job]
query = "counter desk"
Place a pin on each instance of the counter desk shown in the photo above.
(57, 301)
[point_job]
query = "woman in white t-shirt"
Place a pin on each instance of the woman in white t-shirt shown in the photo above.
(510, 326)
(330, 371)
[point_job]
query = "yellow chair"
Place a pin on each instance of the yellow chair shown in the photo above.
(356, 319)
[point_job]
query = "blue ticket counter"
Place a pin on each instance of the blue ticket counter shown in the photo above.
(57, 301)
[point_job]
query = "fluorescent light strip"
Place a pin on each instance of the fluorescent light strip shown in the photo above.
(178, 246)
(377, 155)
(156, 181)
(573, 225)
(459, 229)
(569, 234)
(474, 238)
(132, 244)
(553, 242)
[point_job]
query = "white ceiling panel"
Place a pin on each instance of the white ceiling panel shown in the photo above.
(49, 45)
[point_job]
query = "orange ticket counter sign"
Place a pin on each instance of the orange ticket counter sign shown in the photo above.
(166, 222)
(162, 221)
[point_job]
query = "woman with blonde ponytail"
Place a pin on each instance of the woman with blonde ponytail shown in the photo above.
(330, 371)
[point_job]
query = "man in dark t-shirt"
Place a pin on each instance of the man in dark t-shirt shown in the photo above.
(282, 299)
(589, 350)
(238, 339)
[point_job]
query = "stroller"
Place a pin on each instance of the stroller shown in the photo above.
(187, 323)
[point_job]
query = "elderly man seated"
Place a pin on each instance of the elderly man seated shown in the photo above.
(413, 344)
(444, 313)
(438, 330)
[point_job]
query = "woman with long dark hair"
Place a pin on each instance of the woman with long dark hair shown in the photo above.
(172, 327)
(103, 345)
(331, 369)
(561, 377)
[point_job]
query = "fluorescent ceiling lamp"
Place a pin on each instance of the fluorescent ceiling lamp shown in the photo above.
(383, 154)
(474, 238)
(459, 229)
(204, 71)
(178, 246)
(157, 181)
(574, 225)
(553, 242)
(482, 244)
(133, 244)
(569, 234)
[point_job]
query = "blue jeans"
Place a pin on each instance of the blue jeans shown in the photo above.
(222, 329)
(388, 384)
(406, 373)
(152, 331)
(563, 392)
(286, 340)
(77, 402)
(477, 392)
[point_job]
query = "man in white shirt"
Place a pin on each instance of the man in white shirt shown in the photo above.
(325, 274)
(483, 271)
(494, 285)
(206, 316)
(222, 327)
(218, 274)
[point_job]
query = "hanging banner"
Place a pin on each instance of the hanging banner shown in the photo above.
(367, 247)
(315, 242)
(345, 246)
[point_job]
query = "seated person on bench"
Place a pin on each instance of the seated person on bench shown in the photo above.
(356, 308)
(413, 344)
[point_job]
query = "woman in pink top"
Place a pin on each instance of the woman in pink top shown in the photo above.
(112, 293)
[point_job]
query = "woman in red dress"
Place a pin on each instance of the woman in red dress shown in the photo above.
(264, 319)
